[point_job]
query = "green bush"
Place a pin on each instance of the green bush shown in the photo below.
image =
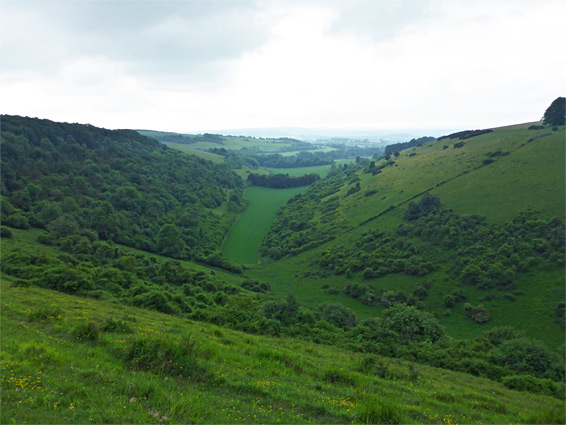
(86, 332)
(525, 356)
(410, 324)
(5, 232)
(534, 385)
(371, 410)
(164, 357)
(478, 314)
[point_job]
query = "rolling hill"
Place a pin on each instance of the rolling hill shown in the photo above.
(426, 285)
(510, 178)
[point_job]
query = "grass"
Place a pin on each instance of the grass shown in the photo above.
(244, 239)
(321, 170)
(217, 159)
(64, 360)
(531, 175)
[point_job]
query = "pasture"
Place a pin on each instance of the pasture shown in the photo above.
(243, 240)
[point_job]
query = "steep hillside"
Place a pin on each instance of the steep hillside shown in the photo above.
(492, 230)
(78, 181)
(72, 360)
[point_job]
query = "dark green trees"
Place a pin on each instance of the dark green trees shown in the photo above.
(556, 112)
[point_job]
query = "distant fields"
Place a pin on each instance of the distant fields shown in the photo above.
(244, 238)
(321, 170)
(218, 159)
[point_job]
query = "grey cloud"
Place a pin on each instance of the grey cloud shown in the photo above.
(381, 20)
(163, 38)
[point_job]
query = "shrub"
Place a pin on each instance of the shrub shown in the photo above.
(534, 385)
(371, 410)
(86, 332)
(478, 314)
(5, 232)
(338, 315)
(528, 357)
(411, 324)
(338, 376)
(164, 357)
(18, 220)
(118, 326)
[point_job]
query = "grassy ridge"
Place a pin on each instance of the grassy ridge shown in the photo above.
(217, 159)
(495, 175)
(72, 360)
(243, 240)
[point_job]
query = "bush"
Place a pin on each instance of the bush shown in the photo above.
(372, 410)
(478, 314)
(86, 332)
(5, 232)
(528, 357)
(164, 357)
(534, 385)
(411, 324)
(338, 315)
(18, 221)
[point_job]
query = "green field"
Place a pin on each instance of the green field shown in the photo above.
(321, 170)
(218, 159)
(243, 240)
(67, 359)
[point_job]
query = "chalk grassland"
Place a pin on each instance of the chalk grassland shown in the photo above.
(321, 170)
(495, 175)
(73, 360)
(243, 240)
(230, 143)
(217, 159)
(527, 173)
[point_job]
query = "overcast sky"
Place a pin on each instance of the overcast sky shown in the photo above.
(190, 65)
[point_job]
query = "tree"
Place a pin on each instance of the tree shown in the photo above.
(556, 112)
(170, 241)
(411, 324)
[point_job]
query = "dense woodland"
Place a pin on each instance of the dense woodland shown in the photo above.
(82, 184)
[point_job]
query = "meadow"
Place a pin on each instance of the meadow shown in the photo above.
(244, 238)
(67, 359)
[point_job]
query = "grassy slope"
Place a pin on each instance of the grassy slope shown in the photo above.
(55, 372)
(531, 176)
(217, 159)
(243, 240)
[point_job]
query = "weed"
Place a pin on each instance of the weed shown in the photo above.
(164, 357)
(86, 332)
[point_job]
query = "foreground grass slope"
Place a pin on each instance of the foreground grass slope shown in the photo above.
(73, 360)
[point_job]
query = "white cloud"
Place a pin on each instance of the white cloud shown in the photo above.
(193, 65)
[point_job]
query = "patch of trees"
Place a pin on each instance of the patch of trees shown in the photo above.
(398, 147)
(467, 134)
(308, 219)
(73, 179)
(302, 159)
(490, 256)
(425, 206)
(376, 254)
(282, 181)
(556, 112)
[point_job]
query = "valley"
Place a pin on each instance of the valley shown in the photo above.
(422, 285)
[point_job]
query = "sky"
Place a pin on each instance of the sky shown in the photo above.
(204, 65)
